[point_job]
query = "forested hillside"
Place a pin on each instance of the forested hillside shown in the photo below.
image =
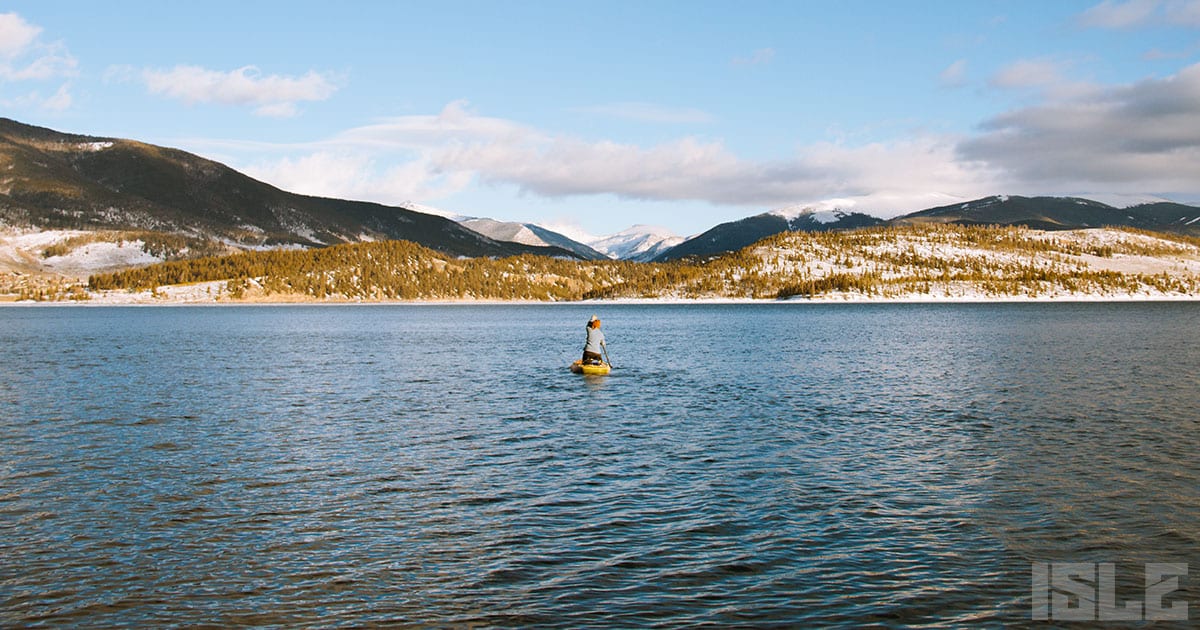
(934, 261)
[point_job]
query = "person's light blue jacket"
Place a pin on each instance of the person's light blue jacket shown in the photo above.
(595, 340)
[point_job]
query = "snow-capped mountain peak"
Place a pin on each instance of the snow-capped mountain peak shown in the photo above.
(638, 242)
(424, 209)
(505, 231)
(827, 211)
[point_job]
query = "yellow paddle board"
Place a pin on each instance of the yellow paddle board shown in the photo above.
(579, 368)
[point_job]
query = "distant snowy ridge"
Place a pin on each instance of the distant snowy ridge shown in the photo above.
(639, 242)
(1118, 200)
(829, 211)
(529, 234)
(504, 231)
(438, 212)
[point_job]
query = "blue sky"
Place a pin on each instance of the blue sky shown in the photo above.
(596, 116)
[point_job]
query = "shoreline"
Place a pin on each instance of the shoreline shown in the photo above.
(849, 299)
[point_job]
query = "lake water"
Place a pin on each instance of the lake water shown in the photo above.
(753, 465)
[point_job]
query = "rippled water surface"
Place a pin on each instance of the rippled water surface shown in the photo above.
(764, 465)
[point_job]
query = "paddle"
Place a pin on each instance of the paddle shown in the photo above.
(605, 349)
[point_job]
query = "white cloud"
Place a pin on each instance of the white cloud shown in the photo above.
(271, 95)
(346, 175)
(60, 101)
(1140, 137)
(1115, 14)
(24, 57)
(503, 152)
(649, 112)
(1184, 12)
(955, 74)
(1137, 138)
(16, 35)
(1138, 13)
(1156, 54)
(760, 57)
(441, 154)
(1029, 73)
(455, 123)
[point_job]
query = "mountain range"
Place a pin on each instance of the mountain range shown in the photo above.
(1060, 213)
(735, 235)
(1044, 213)
(53, 180)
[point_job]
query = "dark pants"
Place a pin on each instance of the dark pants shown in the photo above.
(592, 358)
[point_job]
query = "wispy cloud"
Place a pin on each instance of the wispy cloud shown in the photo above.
(16, 35)
(1184, 12)
(1132, 138)
(440, 154)
(1029, 73)
(25, 57)
(270, 95)
(1117, 14)
(760, 57)
(1156, 54)
(1126, 14)
(649, 112)
(355, 175)
(885, 177)
(955, 74)
(60, 101)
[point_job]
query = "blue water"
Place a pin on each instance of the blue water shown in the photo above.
(763, 465)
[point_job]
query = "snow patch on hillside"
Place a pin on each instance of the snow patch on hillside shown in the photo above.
(23, 251)
(802, 257)
(85, 260)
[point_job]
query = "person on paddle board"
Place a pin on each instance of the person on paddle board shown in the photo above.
(595, 343)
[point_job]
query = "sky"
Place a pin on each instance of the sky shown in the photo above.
(589, 117)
